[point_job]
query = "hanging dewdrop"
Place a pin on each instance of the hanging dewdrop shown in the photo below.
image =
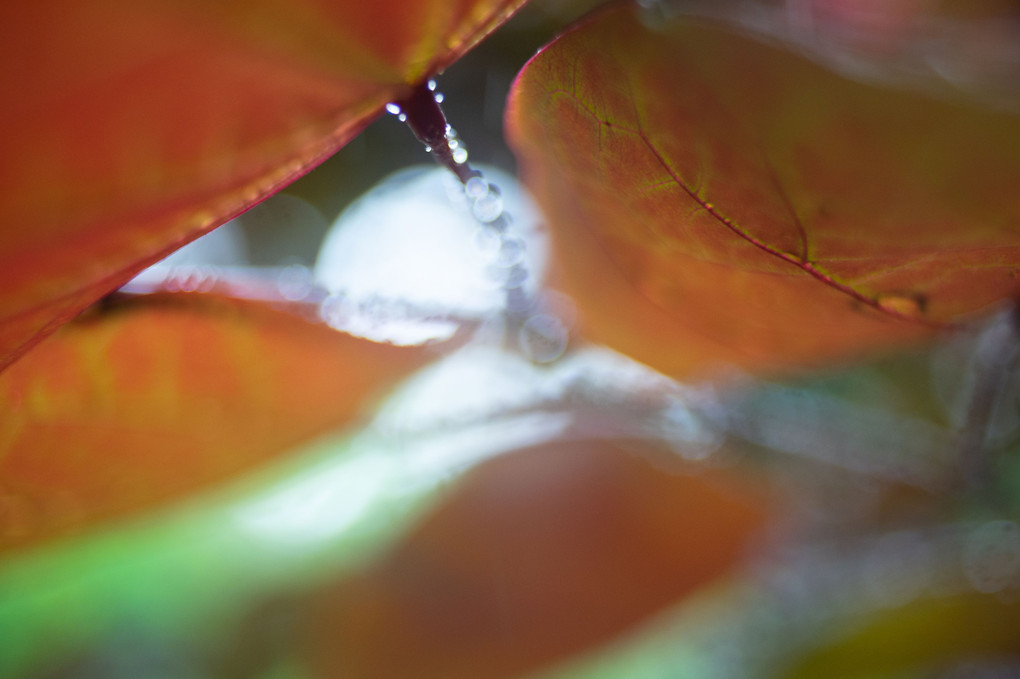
(422, 113)
(541, 335)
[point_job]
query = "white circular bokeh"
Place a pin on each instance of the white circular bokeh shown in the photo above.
(411, 248)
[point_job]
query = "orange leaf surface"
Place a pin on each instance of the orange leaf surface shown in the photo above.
(720, 200)
(534, 556)
(130, 127)
(152, 400)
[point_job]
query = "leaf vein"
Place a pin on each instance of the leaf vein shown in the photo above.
(804, 265)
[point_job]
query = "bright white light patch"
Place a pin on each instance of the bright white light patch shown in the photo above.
(477, 383)
(322, 505)
(475, 404)
(407, 255)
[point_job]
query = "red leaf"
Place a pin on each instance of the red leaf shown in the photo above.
(153, 400)
(717, 199)
(132, 127)
(535, 556)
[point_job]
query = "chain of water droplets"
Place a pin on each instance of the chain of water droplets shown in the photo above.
(539, 330)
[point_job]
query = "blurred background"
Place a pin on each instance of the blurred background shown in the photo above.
(538, 507)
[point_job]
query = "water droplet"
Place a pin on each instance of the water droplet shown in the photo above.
(501, 223)
(559, 305)
(507, 278)
(543, 338)
(510, 253)
(515, 278)
(295, 282)
(992, 556)
(428, 149)
(190, 279)
(496, 274)
(402, 117)
(455, 192)
(393, 108)
(432, 85)
(460, 155)
(489, 207)
(453, 142)
(337, 311)
(518, 301)
(486, 241)
(687, 434)
(476, 187)
(439, 97)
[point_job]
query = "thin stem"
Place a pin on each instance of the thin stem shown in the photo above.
(540, 334)
(423, 114)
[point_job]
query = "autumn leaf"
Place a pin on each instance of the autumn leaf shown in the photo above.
(130, 128)
(895, 604)
(534, 556)
(159, 397)
(718, 200)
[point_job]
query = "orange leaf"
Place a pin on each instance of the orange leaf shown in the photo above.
(719, 200)
(152, 400)
(535, 555)
(133, 126)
